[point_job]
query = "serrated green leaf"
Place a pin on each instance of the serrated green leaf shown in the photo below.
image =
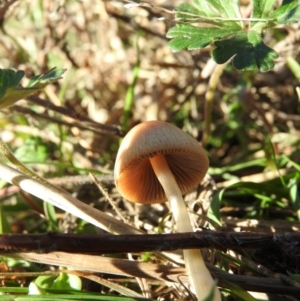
(10, 91)
(287, 13)
(228, 9)
(214, 12)
(248, 50)
(262, 8)
(191, 37)
(219, 8)
(264, 55)
(189, 13)
(230, 35)
(205, 8)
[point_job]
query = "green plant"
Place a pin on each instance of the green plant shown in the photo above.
(11, 91)
(221, 24)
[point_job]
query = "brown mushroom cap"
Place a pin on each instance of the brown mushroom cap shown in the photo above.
(134, 176)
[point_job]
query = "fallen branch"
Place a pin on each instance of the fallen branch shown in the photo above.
(105, 244)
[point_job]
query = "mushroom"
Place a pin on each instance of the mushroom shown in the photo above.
(158, 162)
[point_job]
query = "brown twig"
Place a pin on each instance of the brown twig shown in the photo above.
(105, 128)
(101, 244)
(82, 126)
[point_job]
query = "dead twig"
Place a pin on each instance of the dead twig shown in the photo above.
(106, 128)
(101, 244)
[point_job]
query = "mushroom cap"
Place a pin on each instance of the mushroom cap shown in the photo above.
(134, 176)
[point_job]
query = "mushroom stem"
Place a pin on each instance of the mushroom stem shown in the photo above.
(201, 279)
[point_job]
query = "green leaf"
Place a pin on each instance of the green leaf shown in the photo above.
(287, 13)
(261, 9)
(189, 13)
(239, 292)
(232, 36)
(43, 282)
(64, 281)
(33, 149)
(8, 79)
(34, 289)
(10, 91)
(213, 12)
(214, 208)
(228, 9)
(202, 8)
(50, 214)
(248, 50)
(67, 282)
(221, 9)
(294, 67)
(40, 81)
(191, 37)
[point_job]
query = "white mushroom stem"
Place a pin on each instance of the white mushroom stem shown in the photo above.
(201, 279)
